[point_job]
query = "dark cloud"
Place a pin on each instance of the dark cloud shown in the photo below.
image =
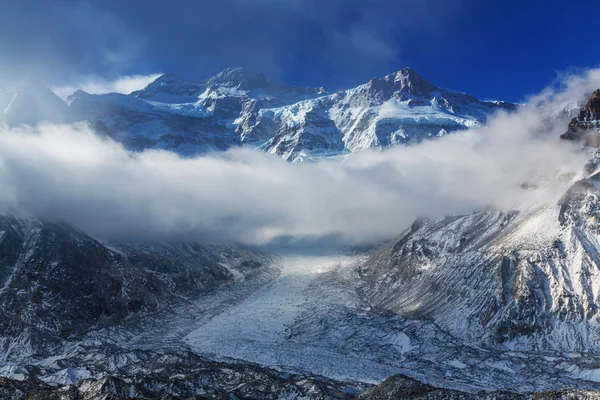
(52, 41)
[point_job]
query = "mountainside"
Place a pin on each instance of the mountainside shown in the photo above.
(57, 282)
(586, 125)
(399, 108)
(521, 280)
(239, 108)
(30, 105)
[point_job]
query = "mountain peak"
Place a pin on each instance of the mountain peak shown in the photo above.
(411, 81)
(171, 88)
(168, 78)
(408, 71)
(241, 78)
(31, 104)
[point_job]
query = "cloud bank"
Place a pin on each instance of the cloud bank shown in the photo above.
(68, 173)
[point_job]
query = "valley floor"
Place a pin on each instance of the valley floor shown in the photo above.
(309, 318)
(267, 328)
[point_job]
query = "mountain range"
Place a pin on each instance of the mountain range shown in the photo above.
(240, 108)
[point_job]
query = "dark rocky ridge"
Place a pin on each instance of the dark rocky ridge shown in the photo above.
(57, 282)
(184, 376)
(189, 377)
(399, 387)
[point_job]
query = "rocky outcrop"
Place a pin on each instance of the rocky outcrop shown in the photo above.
(586, 126)
(185, 376)
(192, 378)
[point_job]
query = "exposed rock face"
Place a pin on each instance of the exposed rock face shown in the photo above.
(57, 282)
(586, 126)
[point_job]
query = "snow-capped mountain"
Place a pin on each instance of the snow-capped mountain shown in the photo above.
(236, 107)
(399, 108)
(185, 116)
(586, 125)
(526, 280)
(239, 108)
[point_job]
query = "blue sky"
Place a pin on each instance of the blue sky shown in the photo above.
(489, 48)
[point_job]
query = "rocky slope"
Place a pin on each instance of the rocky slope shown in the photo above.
(586, 125)
(189, 377)
(181, 376)
(240, 108)
(522, 280)
(56, 282)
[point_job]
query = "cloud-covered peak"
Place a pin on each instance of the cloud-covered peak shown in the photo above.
(31, 104)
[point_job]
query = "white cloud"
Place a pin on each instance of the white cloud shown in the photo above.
(69, 173)
(98, 85)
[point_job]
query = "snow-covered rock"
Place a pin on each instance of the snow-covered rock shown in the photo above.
(400, 108)
(519, 280)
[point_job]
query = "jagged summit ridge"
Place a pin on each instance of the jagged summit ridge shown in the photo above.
(410, 81)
